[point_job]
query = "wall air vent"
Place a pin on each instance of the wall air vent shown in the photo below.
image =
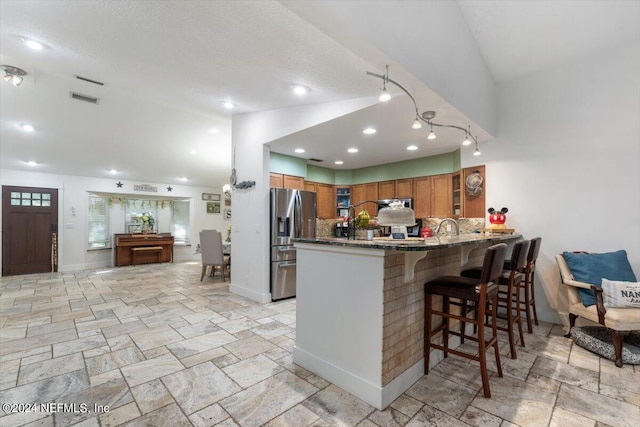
(315, 160)
(85, 98)
(84, 79)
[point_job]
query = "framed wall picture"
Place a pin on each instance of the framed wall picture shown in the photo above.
(227, 202)
(213, 207)
(227, 214)
(211, 196)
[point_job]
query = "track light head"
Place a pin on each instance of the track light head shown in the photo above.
(13, 74)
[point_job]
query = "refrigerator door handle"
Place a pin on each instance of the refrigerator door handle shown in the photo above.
(289, 264)
(297, 216)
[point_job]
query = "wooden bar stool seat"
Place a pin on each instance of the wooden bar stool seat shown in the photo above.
(509, 295)
(481, 292)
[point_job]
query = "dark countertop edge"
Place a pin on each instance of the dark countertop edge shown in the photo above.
(368, 244)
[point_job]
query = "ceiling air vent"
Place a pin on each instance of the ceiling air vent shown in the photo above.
(84, 79)
(85, 98)
(315, 160)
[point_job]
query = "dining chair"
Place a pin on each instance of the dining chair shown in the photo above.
(211, 252)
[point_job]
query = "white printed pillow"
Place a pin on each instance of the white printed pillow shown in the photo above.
(620, 294)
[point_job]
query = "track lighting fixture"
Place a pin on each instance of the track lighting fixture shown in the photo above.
(427, 116)
(13, 74)
(477, 152)
(384, 95)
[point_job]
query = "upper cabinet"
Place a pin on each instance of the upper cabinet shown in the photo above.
(441, 196)
(293, 182)
(473, 198)
(386, 190)
(276, 180)
(326, 200)
(404, 188)
(365, 192)
(422, 197)
(398, 189)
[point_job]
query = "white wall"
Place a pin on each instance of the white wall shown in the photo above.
(566, 162)
(250, 269)
(429, 39)
(73, 192)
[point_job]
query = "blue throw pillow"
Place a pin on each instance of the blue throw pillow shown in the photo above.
(592, 268)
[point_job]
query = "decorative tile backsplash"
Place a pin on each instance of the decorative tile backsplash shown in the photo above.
(327, 227)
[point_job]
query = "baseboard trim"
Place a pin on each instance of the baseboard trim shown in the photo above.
(250, 293)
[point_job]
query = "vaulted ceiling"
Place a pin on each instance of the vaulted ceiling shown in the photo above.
(167, 66)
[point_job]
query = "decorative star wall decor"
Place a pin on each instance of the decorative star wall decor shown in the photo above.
(169, 188)
(119, 184)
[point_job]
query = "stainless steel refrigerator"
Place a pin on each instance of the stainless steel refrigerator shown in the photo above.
(293, 214)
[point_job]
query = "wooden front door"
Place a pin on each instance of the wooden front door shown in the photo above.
(29, 230)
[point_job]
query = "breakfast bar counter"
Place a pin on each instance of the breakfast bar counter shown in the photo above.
(360, 307)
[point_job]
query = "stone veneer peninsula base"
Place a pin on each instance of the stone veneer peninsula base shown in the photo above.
(360, 308)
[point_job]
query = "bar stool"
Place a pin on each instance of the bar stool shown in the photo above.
(481, 292)
(509, 291)
(527, 285)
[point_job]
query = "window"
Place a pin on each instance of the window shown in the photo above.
(141, 215)
(180, 222)
(99, 237)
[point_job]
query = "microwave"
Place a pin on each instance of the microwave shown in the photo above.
(407, 203)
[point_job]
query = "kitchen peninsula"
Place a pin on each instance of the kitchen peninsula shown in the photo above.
(360, 307)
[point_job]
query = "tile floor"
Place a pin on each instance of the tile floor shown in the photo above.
(160, 348)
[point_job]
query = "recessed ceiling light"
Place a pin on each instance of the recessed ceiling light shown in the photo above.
(301, 90)
(338, 162)
(412, 147)
(113, 171)
(27, 127)
(183, 179)
(32, 163)
(369, 131)
(228, 105)
(214, 130)
(352, 150)
(32, 44)
(299, 150)
(194, 152)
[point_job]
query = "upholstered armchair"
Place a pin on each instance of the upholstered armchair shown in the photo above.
(619, 321)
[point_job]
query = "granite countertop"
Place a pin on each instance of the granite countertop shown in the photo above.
(430, 243)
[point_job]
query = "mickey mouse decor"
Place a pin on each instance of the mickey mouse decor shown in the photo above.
(498, 218)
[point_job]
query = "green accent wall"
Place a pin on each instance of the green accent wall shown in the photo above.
(433, 165)
(279, 163)
(319, 174)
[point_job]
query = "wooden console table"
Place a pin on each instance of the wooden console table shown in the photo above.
(131, 249)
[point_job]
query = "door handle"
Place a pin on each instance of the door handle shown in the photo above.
(291, 264)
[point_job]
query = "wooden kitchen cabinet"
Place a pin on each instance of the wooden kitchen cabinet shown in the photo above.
(310, 186)
(386, 190)
(457, 195)
(326, 201)
(422, 196)
(362, 192)
(276, 180)
(293, 182)
(432, 196)
(404, 188)
(441, 196)
(473, 206)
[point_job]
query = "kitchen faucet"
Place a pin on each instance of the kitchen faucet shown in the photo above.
(451, 220)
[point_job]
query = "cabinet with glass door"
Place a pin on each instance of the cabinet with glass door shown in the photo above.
(343, 199)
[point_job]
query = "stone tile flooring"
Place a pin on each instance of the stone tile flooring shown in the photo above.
(161, 348)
